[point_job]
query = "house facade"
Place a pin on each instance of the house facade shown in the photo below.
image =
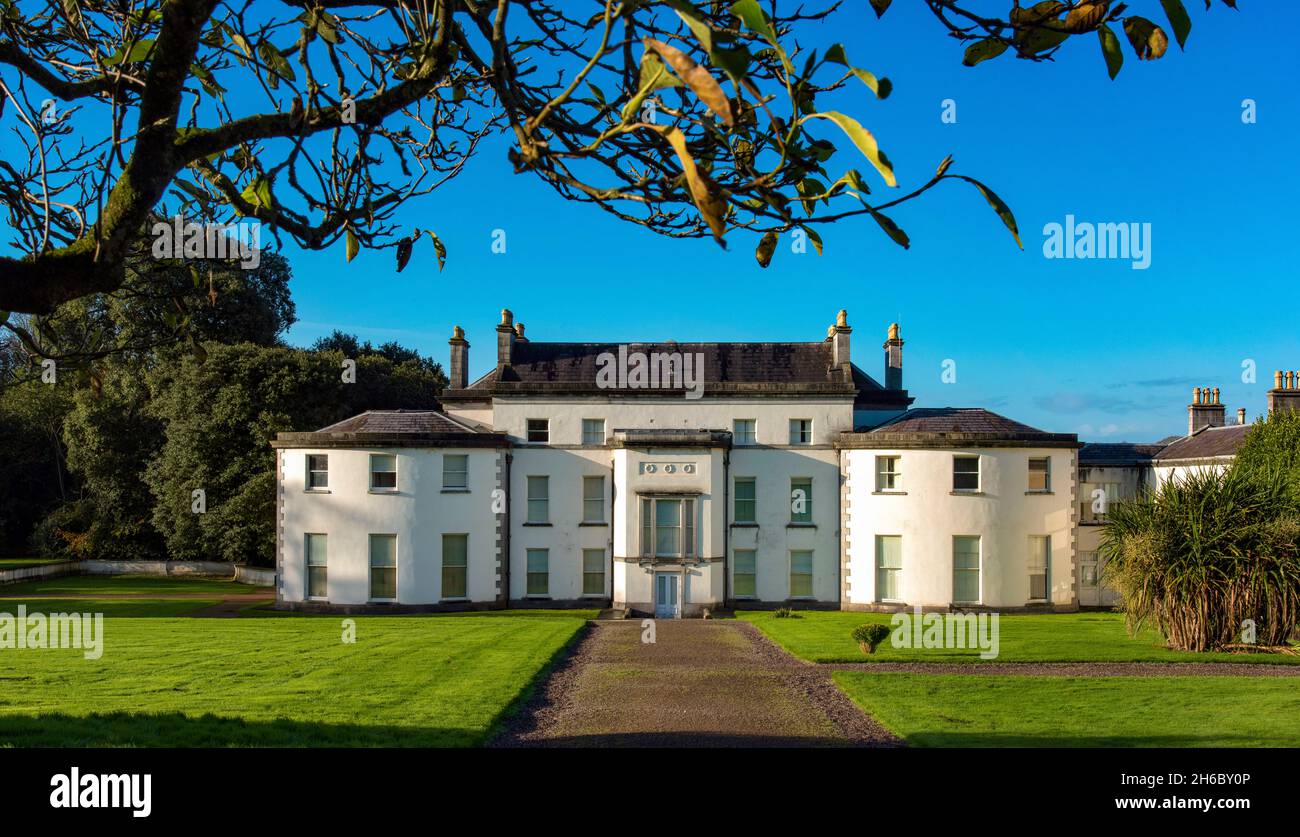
(673, 478)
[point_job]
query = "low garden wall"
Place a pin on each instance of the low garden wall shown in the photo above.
(256, 576)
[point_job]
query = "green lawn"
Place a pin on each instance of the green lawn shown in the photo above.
(969, 710)
(169, 680)
(825, 637)
(90, 585)
(21, 563)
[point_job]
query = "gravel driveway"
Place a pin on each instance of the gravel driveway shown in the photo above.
(701, 683)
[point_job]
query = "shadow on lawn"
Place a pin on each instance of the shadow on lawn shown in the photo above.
(1021, 740)
(173, 729)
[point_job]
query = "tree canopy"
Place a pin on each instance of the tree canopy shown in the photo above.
(320, 118)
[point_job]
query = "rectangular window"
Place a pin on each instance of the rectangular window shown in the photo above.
(889, 568)
(593, 499)
(593, 431)
(1040, 474)
(539, 430)
(455, 566)
(539, 572)
(1040, 557)
(744, 579)
(667, 528)
(317, 567)
(888, 476)
(455, 470)
(801, 500)
(965, 473)
(383, 472)
(744, 432)
(801, 573)
(746, 500)
(383, 567)
(539, 499)
(593, 572)
(318, 471)
(801, 431)
(966, 569)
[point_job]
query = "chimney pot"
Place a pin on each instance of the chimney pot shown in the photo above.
(519, 331)
(842, 319)
(1290, 379)
(1241, 415)
(507, 318)
(1196, 395)
(1216, 395)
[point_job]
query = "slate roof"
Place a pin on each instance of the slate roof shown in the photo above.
(927, 427)
(757, 368)
(396, 428)
(1118, 453)
(953, 420)
(399, 421)
(1206, 443)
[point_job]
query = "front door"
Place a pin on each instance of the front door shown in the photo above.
(668, 600)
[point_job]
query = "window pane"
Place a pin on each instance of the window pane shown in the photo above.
(316, 550)
(593, 572)
(801, 573)
(383, 566)
(538, 572)
(965, 473)
(668, 521)
(1040, 475)
(743, 431)
(593, 499)
(318, 475)
(887, 473)
(539, 430)
(688, 517)
(647, 528)
(801, 500)
(966, 574)
(744, 575)
(317, 583)
(317, 574)
(746, 504)
(539, 490)
(383, 550)
(593, 431)
(383, 471)
(889, 564)
(455, 470)
(800, 431)
(1040, 549)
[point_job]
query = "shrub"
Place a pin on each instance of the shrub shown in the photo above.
(785, 613)
(869, 636)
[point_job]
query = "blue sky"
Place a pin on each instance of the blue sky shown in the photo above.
(1092, 347)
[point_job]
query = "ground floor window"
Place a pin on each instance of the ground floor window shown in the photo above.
(889, 567)
(801, 574)
(744, 578)
(383, 567)
(593, 572)
(455, 566)
(1040, 555)
(966, 569)
(317, 567)
(539, 572)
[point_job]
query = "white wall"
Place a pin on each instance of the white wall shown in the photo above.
(929, 515)
(419, 513)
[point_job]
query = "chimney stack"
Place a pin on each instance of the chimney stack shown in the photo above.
(459, 359)
(1205, 409)
(1241, 415)
(838, 334)
(893, 359)
(1285, 394)
(505, 339)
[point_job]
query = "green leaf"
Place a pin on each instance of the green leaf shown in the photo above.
(853, 179)
(351, 246)
(1149, 41)
(766, 247)
(983, 51)
(693, 19)
(403, 253)
(751, 14)
(258, 193)
(863, 139)
(814, 237)
(700, 80)
(708, 196)
(1178, 20)
(732, 61)
(881, 88)
(139, 52)
(1110, 50)
(1003, 211)
(439, 249)
(891, 229)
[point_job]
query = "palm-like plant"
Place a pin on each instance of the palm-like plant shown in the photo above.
(1204, 553)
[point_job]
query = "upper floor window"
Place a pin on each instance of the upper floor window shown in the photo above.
(318, 471)
(888, 475)
(744, 431)
(965, 473)
(667, 527)
(539, 499)
(801, 431)
(455, 470)
(539, 430)
(801, 500)
(1040, 473)
(746, 500)
(593, 499)
(383, 472)
(593, 431)
(1096, 500)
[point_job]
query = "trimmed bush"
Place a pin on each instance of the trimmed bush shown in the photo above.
(869, 636)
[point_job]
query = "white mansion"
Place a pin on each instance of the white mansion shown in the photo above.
(671, 478)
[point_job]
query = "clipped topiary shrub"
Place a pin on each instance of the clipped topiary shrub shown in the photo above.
(869, 636)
